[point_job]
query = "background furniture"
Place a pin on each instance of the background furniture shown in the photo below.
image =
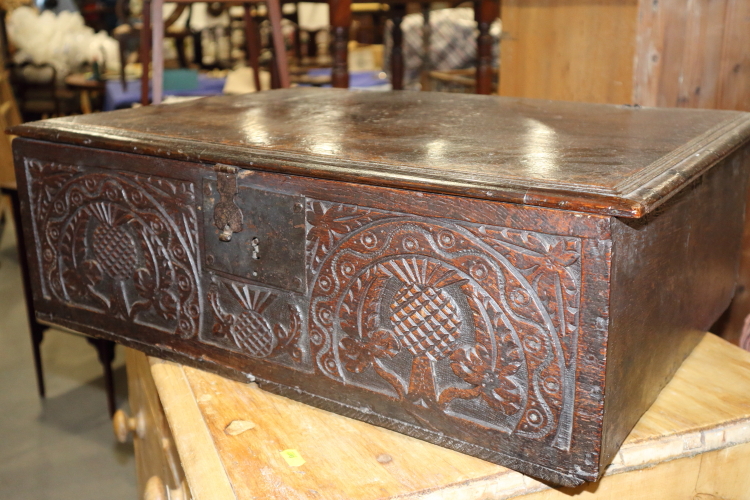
(153, 9)
(39, 93)
(486, 12)
(90, 91)
(118, 97)
(9, 117)
(128, 34)
(229, 438)
(646, 52)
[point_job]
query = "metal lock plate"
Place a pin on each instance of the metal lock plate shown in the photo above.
(269, 247)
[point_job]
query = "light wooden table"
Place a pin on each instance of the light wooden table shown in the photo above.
(227, 440)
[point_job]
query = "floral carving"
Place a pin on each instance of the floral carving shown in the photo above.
(330, 223)
(359, 355)
(496, 387)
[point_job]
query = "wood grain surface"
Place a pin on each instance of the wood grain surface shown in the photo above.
(152, 438)
(693, 54)
(691, 441)
(672, 53)
(588, 157)
(572, 51)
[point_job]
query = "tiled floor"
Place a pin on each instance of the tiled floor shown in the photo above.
(61, 447)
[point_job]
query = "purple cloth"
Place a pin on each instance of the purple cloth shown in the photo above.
(116, 98)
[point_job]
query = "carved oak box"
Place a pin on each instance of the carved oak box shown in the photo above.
(513, 279)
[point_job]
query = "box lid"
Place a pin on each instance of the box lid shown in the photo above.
(596, 158)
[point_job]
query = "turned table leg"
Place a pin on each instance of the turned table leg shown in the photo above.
(341, 19)
(485, 12)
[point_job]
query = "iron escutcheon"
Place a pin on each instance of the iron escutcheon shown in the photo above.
(270, 248)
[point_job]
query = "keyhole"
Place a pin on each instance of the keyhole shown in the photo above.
(256, 248)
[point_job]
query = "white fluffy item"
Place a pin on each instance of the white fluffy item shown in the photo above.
(62, 40)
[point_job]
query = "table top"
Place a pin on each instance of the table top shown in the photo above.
(239, 442)
(82, 81)
(596, 158)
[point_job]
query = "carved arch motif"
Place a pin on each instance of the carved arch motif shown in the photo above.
(459, 320)
(119, 244)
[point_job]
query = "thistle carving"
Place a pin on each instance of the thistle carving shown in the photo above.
(256, 321)
(118, 244)
(461, 321)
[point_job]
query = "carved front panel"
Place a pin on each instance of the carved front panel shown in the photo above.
(458, 321)
(118, 244)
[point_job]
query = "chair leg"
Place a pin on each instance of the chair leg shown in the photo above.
(36, 329)
(279, 47)
(485, 12)
(341, 19)
(252, 45)
(180, 46)
(105, 350)
(398, 11)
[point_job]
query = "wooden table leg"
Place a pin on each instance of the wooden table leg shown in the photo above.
(341, 19)
(105, 350)
(85, 102)
(485, 12)
(36, 329)
(398, 11)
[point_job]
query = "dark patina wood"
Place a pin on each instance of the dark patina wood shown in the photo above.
(595, 158)
(470, 271)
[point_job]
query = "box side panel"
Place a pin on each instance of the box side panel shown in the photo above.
(477, 326)
(673, 273)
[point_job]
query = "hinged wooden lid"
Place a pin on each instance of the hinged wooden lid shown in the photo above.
(596, 158)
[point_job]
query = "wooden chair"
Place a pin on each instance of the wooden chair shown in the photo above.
(153, 18)
(485, 11)
(39, 93)
(128, 34)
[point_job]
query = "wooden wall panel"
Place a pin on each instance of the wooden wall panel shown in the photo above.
(734, 75)
(575, 50)
(693, 54)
